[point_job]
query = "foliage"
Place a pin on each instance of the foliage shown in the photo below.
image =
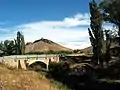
(109, 40)
(96, 33)
(111, 12)
(10, 47)
(7, 47)
(51, 52)
(77, 51)
(58, 70)
(59, 85)
(20, 44)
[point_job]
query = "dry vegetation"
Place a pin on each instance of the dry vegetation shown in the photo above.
(23, 80)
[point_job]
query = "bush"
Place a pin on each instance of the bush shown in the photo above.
(58, 70)
(50, 52)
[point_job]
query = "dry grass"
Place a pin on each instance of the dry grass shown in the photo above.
(23, 80)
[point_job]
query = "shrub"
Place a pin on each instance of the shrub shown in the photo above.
(50, 52)
(58, 70)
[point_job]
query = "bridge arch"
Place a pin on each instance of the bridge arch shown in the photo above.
(38, 65)
(43, 64)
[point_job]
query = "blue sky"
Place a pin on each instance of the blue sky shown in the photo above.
(63, 21)
(24, 11)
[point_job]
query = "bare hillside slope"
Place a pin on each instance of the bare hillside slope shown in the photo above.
(43, 45)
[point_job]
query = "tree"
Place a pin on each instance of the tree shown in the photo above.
(20, 44)
(109, 39)
(96, 33)
(7, 47)
(10, 47)
(111, 12)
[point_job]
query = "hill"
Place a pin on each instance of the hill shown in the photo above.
(13, 79)
(44, 45)
(88, 50)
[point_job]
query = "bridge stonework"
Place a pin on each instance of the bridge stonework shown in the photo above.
(24, 61)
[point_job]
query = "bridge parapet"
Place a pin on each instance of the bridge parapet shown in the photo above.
(21, 60)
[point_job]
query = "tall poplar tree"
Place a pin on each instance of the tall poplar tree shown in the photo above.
(20, 44)
(96, 33)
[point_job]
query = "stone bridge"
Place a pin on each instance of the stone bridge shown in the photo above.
(24, 61)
